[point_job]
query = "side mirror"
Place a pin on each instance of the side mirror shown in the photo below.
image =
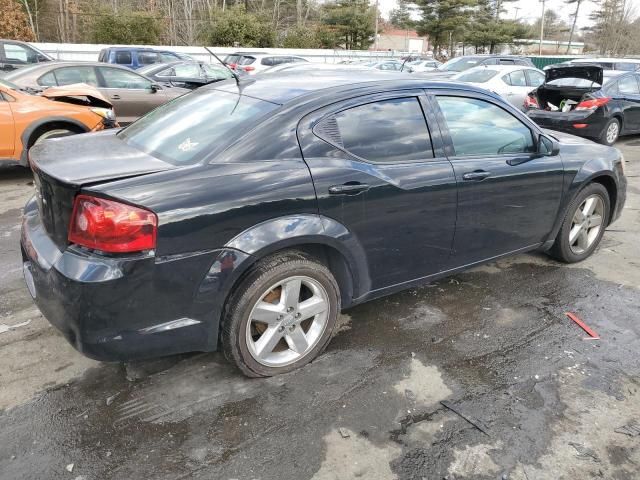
(155, 87)
(547, 146)
(41, 58)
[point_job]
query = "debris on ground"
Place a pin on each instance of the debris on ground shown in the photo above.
(69, 468)
(5, 328)
(584, 452)
(584, 326)
(473, 421)
(632, 429)
(344, 432)
(110, 399)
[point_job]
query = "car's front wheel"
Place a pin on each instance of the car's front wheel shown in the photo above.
(281, 316)
(583, 225)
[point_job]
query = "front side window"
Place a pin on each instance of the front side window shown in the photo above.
(19, 53)
(481, 128)
(628, 86)
(71, 75)
(385, 131)
(518, 79)
(120, 78)
(185, 130)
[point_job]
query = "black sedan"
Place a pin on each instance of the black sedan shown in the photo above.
(246, 217)
(186, 74)
(584, 100)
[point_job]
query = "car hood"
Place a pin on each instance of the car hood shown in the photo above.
(90, 95)
(586, 71)
(567, 138)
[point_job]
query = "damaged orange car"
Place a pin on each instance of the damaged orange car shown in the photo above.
(28, 118)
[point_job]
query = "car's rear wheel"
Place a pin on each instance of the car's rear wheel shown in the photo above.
(583, 225)
(281, 316)
(611, 132)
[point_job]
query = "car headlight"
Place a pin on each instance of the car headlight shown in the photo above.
(105, 113)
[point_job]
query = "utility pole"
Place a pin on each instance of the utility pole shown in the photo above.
(377, 14)
(541, 28)
(516, 9)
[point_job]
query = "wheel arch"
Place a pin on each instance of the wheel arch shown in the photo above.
(320, 237)
(29, 133)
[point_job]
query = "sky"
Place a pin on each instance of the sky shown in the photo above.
(530, 10)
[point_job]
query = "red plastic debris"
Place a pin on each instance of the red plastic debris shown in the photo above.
(583, 325)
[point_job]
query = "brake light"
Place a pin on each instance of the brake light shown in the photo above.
(248, 69)
(580, 125)
(111, 226)
(593, 103)
(530, 102)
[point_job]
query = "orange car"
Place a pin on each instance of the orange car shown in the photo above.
(26, 119)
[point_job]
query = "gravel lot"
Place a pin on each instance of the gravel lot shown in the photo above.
(527, 396)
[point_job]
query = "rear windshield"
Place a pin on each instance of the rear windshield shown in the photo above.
(183, 131)
(479, 76)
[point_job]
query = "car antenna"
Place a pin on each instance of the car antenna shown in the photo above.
(235, 75)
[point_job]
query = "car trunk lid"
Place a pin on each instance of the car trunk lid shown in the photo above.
(61, 167)
(593, 73)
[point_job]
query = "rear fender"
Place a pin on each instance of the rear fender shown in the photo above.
(306, 229)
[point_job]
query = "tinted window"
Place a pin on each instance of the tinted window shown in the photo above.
(477, 76)
(70, 75)
(506, 61)
(628, 85)
(518, 79)
(147, 58)
(267, 61)
(246, 60)
(386, 131)
(482, 128)
(535, 78)
(120, 78)
(123, 58)
(184, 130)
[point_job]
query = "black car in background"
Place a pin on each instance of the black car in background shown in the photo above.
(186, 74)
(15, 54)
(588, 101)
(244, 217)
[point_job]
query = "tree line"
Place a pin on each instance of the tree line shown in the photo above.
(348, 24)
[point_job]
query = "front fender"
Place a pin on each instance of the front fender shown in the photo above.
(303, 229)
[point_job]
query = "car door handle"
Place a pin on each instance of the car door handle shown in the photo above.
(348, 189)
(115, 97)
(476, 175)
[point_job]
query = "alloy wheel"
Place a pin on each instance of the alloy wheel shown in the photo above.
(612, 132)
(586, 224)
(288, 321)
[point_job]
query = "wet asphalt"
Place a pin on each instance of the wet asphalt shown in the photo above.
(477, 376)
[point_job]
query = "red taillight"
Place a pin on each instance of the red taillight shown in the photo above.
(233, 66)
(111, 226)
(592, 104)
(530, 102)
(248, 69)
(580, 125)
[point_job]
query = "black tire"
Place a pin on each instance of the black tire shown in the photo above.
(561, 249)
(603, 136)
(252, 288)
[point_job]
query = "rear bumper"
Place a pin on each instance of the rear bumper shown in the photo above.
(564, 122)
(116, 308)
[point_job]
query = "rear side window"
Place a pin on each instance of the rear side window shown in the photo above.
(535, 78)
(185, 130)
(268, 61)
(481, 128)
(518, 79)
(71, 75)
(123, 58)
(48, 80)
(385, 131)
(628, 85)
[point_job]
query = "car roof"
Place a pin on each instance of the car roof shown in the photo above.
(500, 68)
(291, 86)
(604, 59)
